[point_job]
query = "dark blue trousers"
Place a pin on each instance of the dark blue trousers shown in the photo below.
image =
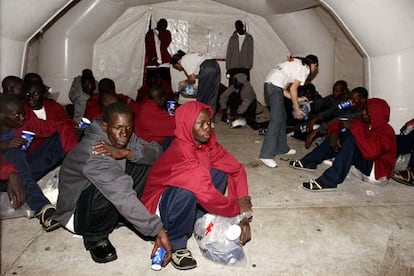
(348, 155)
(405, 145)
(179, 210)
(31, 168)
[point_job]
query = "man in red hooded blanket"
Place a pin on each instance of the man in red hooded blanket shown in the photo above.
(190, 178)
(368, 143)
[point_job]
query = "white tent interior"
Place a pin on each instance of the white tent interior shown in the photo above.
(365, 42)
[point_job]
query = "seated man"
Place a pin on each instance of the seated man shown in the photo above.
(11, 183)
(82, 88)
(368, 143)
(152, 121)
(190, 178)
(405, 145)
(358, 98)
(40, 110)
(13, 85)
(34, 165)
(96, 102)
(240, 98)
(151, 81)
(95, 192)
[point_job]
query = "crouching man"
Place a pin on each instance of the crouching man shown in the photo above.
(95, 192)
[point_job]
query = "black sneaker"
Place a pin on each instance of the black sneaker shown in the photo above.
(183, 260)
(45, 218)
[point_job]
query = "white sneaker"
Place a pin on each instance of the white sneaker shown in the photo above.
(328, 162)
(291, 152)
(269, 162)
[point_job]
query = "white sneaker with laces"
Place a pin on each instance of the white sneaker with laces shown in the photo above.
(269, 162)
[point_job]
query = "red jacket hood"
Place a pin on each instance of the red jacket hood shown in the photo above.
(185, 117)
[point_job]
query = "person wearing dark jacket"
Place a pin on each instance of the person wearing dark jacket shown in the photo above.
(95, 191)
(239, 55)
(368, 143)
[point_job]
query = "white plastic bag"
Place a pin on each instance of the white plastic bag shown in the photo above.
(216, 241)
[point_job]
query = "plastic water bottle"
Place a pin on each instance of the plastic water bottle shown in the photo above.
(306, 108)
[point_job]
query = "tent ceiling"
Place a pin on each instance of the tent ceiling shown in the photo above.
(259, 7)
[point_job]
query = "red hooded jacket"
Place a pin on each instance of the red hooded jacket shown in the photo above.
(377, 140)
(186, 165)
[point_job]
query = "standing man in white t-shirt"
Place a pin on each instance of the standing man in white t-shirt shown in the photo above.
(239, 57)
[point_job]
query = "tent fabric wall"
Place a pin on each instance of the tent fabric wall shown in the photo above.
(385, 31)
(67, 47)
(119, 52)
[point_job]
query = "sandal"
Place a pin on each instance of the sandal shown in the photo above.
(183, 260)
(405, 177)
(313, 186)
(297, 164)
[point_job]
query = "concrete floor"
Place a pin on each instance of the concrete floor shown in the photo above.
(360, 229)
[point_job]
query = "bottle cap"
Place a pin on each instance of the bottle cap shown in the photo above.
(233, 233)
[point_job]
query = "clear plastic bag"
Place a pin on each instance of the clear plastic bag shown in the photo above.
(8, 212)
(217, 243)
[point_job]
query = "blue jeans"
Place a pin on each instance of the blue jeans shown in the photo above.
(348, 155)
(275, 141)
(179, 210)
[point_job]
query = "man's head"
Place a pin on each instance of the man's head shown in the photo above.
(162, 24)
(118, 123)
(359, 97)
(202, 127)
(176, 59)
(106, 85)
(11, 112)
(193, 123)
(376, 112)
(158, 95)
(107, 94)
(339, 89)
(34, 92)
(240, 27)
(88, 84)
(239, 80)
(13, 85)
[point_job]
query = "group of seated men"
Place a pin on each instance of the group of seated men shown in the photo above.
(118, 169)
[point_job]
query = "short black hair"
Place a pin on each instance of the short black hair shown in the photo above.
(7, 81)
(361, 91)
(106, 85)
(175, 58)
(117, 107)
(7, 101)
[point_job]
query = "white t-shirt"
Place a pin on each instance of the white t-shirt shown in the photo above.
(40, 113)
(287, 72)
(191, 62)
(241, 40)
